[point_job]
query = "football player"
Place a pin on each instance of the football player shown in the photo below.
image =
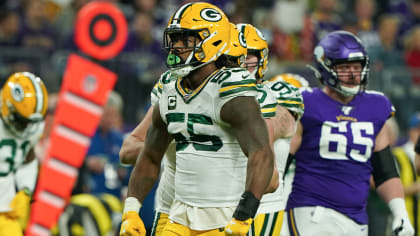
(340, 142)
(290, 107)
(221, 138)
(134, 142)
(24, 100)
(289, 172)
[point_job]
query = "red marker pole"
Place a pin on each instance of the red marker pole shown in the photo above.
(101, 32)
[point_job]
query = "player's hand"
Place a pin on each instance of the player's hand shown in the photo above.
(20, 208)
(402, 227)
(132, 225)
(238, 227)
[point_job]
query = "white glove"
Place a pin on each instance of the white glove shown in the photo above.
(401, 225)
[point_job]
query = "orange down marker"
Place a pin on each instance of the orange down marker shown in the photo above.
(84, 92)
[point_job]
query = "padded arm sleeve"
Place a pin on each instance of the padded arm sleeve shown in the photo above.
(384, 167)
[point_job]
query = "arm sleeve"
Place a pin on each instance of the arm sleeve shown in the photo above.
(384, 166)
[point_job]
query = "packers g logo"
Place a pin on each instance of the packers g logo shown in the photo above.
(242, 39)
(17, 92)
(210, 14)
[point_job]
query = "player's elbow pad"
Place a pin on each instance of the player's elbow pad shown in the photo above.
(384, 167)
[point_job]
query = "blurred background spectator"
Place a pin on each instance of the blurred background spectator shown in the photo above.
(106, 175)
(405, 157)
(9, 27)
(364, 11)
(412, 53)
(36, 31)
(65, 18)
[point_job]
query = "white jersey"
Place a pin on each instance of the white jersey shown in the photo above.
(165, 192)
(210, 165)
(13, 152)
(289, 97)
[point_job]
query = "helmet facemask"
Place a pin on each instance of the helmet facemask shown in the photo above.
(253, 65)
(357, 87)
(174, 61)
(336, 48)
(260, 66)
(257, 46)
(204, 22)
(23, 105)
(19, 125)
(331, 78)
(192, 41)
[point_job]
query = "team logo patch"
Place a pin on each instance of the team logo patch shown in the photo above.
(171, 102)
(210, 14)
(17, 92)
(242, 39)
(90, 84)
(346, 110)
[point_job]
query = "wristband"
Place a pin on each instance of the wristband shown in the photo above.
(247, 207)
(131, 204)
(27, 191)
(397, 206)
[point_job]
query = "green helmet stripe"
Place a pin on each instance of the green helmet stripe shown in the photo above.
(38, 92)
(177, 16)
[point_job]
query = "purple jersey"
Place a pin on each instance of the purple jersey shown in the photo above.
(333, 164)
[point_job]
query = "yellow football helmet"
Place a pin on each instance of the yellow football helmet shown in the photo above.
(237, 47)
(257, 45)
(293, 79)
(205, 22)
(24, 102)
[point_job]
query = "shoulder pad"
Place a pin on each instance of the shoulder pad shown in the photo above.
(288, 96)
(234, 82)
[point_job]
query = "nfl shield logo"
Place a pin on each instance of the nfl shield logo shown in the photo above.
(346, 110)
(186, 96)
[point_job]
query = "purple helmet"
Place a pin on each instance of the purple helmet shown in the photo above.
(335, 48)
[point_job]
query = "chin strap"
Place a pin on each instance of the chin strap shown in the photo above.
(186, 70)
(348, 92)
